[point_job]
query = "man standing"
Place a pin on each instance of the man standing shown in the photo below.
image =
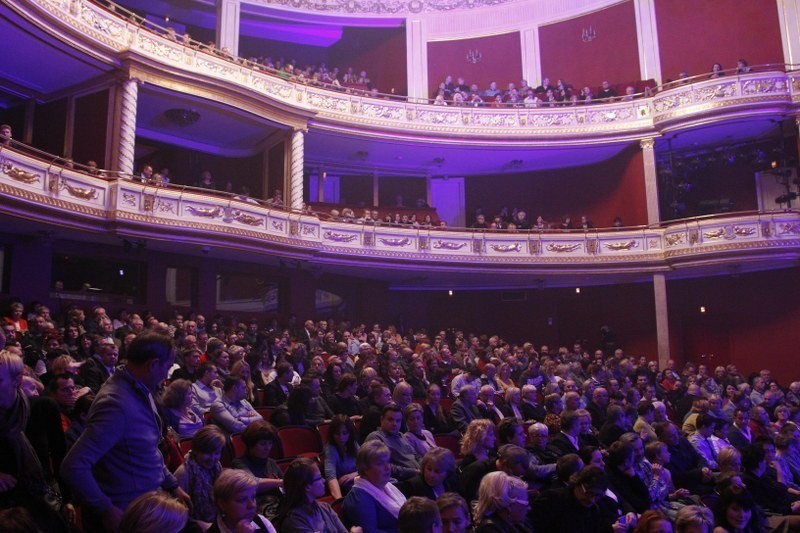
(117, 459)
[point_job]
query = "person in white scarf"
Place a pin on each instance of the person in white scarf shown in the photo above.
(373, 503)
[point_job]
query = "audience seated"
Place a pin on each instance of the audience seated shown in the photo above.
(641, 473)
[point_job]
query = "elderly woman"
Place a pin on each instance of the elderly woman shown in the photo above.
(436, 476)
(259, 438)
(235, 498)
(178, 412)
(478, 441)
(201, 468)
(502, 504)
(513, 406)
(374, 503)
(420, 438)
(301, 512)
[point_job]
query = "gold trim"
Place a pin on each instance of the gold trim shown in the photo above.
(17, 174)
(506, 248)
(562, 248)
(619, 246)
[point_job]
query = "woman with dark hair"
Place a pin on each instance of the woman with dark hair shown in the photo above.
(262, 368)
(340, 455)
(344, 400)
(259, 439)
(85, 347)
(293, 412)
(301, 512)
(201, 468)
(580, 507)
(737, 512)
(330, 379)
(632, 493)
(179, 412)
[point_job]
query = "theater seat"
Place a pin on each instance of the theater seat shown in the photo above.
(299, 441)
(239, 448)
(451, 442)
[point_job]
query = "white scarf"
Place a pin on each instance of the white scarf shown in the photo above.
(389, 497)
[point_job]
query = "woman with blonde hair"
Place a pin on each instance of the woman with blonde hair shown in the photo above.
(235, 499)
(154, 512)
(513, 406)
(503, 377)
(241, 369)
(729, 461)
(502, 504)
(373, 503)
(478, 441)
(694, 519)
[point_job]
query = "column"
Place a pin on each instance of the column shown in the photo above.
(416, 59)
(294, 199)
(531, 59)
(228, 13)
(789, 19)
(647, 39)
(650, 180)
(376, 189)
(127, 126)
(662, 319)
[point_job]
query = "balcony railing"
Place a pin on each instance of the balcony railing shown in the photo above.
(40, 190)
(688, 100)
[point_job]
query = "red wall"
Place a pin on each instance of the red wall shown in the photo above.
(549, 316)
(379, 51)
(602, 191)
(50, 126)
(612, 56)
(694, 34)
(501, 61)
(751, 320)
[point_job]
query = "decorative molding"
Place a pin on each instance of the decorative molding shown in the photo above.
(404, 241)
(445, 245)
(339, 237)
(205, 212)
(562, 248)
(620, 246)
(20, 175)
(506, 248)
(381, 7)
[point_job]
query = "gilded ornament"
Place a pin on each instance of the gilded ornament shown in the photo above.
(294, 227)
(165, 207)
(445, 245)
(743, 232)
(17, 174)
(562, 248)
(309, 230)
(277, 225)
(422, 243)
(534, 247)
(694, 236)
(766, 229)
(149, 201)
(790, 228)
(244, 218)
(129, 199)
(339, 237)
(506, 248)
(675, 238)
(620, 246)
(205, 212)
(80, 192)
(405, 241)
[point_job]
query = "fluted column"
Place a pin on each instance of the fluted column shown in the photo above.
(417, 58)
(531, 58)
(650, 180)
(228, 15)
(127, 125)
(662, 319)
(647, 40)
(789, 21)
(295, 200)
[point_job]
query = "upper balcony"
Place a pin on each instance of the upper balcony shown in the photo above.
(140, 52)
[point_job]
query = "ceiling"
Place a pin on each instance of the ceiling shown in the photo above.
(45, 68)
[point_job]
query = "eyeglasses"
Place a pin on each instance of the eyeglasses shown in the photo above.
(520, 501)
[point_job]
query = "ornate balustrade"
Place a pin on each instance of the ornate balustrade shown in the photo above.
(35, 190)
(331, 109)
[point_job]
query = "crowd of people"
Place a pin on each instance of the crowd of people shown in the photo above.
(517, 219)
(462, 431)
(459, 93)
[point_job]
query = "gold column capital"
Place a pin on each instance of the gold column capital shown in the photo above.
(647, 144)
